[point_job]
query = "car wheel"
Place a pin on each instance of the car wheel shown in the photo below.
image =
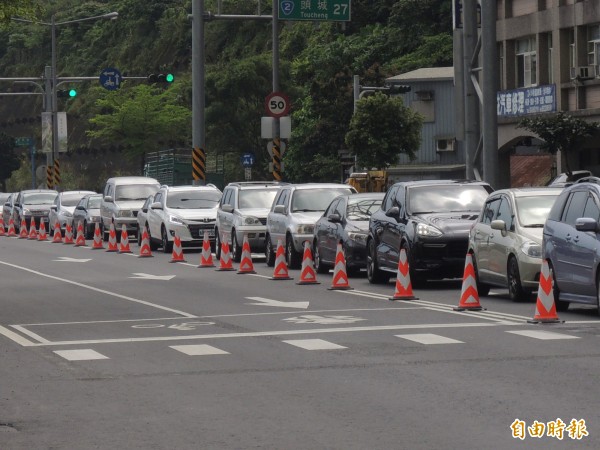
(164, 241)
(104, 232)
(374, 274)
(515, 288)
(560, 305)
(152, 242)
(217, 244)
(269, 252)
(482, 289)
(415, 280)
(138, 237)
(320, 267)
(598, 292)
(89, 234)
(236, 250)
(294, 259)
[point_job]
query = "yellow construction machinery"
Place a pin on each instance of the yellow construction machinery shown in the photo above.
(370, 181)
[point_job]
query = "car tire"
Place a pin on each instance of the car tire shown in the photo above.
(236, 249)
(88, 233)
(560, 305)
(217, 244)
(153, 243)
(320, 267)
(166, 245)
(105, 233)
(374, 274)
(598, 292)
(269, 253)
(515, 288)
(294, 258)
(415, 280)
(482, 288)
(138, 237)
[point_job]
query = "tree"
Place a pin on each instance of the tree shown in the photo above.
(10, 160)
(26, 9)
(560, 131)
(381, 128)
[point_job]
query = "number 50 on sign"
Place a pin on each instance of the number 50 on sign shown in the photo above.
(277, 104)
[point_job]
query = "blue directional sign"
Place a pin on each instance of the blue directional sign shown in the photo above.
(110, 79)
(248, 159)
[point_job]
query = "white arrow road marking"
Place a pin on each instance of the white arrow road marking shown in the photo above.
(269, 302)
(67, 259)
(147, 276)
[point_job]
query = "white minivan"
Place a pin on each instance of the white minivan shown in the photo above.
(122, 198)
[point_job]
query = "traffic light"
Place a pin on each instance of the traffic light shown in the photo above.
(399, 89)
(70, 93)
(161, 78)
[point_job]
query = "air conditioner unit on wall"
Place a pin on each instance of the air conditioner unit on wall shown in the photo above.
(583, 72)
(445, 145)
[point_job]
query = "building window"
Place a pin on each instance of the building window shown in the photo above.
(593, 49)
(526, 62)
(550, 59)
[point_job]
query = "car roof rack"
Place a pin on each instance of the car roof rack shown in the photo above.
(595, 180)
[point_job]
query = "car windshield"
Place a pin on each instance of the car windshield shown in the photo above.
(71, 199)
(39, 198)
(533, 211)
(446, 198)
(193, 199)
(361, 208)
(134, 191)
(256, 198)
(94, 202)
(317, 199)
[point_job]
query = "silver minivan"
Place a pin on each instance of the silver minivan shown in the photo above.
(121, 201)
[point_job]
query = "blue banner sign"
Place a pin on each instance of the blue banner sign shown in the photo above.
(531, 100)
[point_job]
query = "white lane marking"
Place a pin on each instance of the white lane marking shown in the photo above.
(102, 291)
(314, 344)
(67, 259)
(15, 337)
(273, 333)
(199, 350)
(429, 339)
(147, 276)
(30, 333)
(543, 335)
(98, 321)
(80, 355)
(323, 320)
(270, 302)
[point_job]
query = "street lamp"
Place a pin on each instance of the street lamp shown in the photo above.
(54, 107)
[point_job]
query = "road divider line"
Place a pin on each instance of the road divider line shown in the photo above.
(16, 337)
(102, 291)
(29, 333)
(95, 321)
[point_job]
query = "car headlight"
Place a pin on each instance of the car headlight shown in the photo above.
(360, 238)
(427, 230)
(177, 220)
(249, 220)
(306, 228)
(26, 212)
(532, 249)
(125, 213)
(95, 219)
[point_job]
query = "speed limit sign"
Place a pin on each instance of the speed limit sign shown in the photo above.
(277, 104)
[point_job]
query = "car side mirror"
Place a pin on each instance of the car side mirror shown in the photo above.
(586, 224)
(7, 204)
(80, 208)
(156, 205)
(54, 208)
(334, 218)
(279, 209)
(498, 224)
(109, 199)
(227, 208)
(394, 212)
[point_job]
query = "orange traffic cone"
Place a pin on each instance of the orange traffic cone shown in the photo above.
(469, 298)
(32, 231)
(97, 244)
(403, 285)
(280, 272)
(80, 239)
(145, 250)
(11, 227)
(42, 236)
(177, 253)
(112, 239)
(23, 234)
(57, 239)
(124, 244)
(246, 265)
(225, 260)
(206, 256)
(2, 228)
(68, 234)
(340, 276)
(307, 272)
(545, 308)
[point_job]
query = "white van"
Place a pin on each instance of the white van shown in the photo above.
(122, 199)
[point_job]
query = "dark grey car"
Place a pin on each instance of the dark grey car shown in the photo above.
(87, 212)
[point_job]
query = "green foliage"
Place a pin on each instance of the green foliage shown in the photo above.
(560, 131)
(10, 160)
(381, 128)
(26, 9)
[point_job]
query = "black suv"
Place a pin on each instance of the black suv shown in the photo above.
(430, 220)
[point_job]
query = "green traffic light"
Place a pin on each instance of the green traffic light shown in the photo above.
(169, 78)
(72, 93)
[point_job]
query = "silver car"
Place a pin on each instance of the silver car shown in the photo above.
(294, 212)
(87, 212)
(7, 205)
(506, 240)
(33, 204)
(62, 209)
(142, 220)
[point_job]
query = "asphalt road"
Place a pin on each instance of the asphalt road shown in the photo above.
(111, 351)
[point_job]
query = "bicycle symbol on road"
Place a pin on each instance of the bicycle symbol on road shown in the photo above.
(184, 326)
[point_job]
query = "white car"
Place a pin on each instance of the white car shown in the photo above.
(185, 210)
(62, 209)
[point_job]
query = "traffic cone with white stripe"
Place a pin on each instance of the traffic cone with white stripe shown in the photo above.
(545, 308)
(80, 239)
(206, 259)
(112, 239)
(145, 251)
(307, 272)
(97, 244)
(42, 236)
(32, 231)
(340, 275)
(246, 265)
(469, 297)
(225, 262)
(124, 244)
(11, 227)
(23, 234)
(2, 228)
(68, 234)
(177, 253)
(403, 284)
(57, 238)
(280, 272)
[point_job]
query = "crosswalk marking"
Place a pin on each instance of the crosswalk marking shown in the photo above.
(314, 344)
(429, 338)
(199, 350)
(543, 335)
(85, 354)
